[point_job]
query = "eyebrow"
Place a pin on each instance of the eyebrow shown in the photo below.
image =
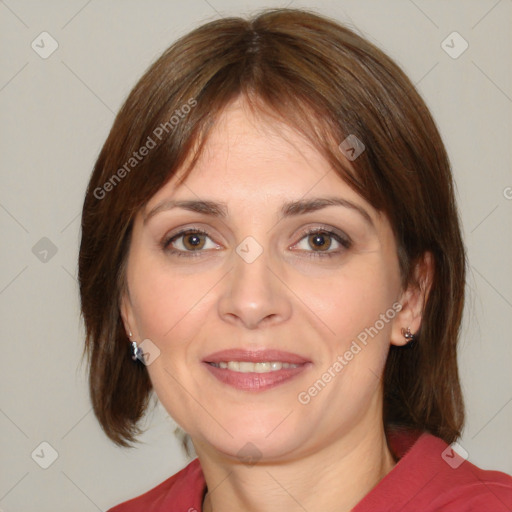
(289, 209)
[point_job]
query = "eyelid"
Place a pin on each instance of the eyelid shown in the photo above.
(339, 236)
(166, 241)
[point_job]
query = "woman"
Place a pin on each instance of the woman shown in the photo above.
(270, 228)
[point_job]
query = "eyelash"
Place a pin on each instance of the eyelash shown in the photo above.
(344, 241)
(188, 254)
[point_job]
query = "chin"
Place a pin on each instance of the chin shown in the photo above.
(255, 436)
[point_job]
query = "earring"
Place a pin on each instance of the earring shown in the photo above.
(136, 351)
(408, 335)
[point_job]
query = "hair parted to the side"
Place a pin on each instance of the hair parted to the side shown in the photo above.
(326, 82)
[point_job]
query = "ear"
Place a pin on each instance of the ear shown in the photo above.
(413, 300)
(126, 310)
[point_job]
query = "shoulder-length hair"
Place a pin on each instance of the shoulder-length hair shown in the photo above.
(327, 83)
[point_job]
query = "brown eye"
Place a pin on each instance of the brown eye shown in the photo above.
(188, 242)
(194, 241)
(320, 241)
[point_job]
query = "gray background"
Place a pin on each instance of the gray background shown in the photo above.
(56, 113)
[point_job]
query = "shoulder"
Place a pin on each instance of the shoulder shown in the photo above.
(432, 476)
(475, 490)
(459, 485)
(183, 491)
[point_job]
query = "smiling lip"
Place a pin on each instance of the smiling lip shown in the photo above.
(254, 381)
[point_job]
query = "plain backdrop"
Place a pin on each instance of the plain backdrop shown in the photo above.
(55, 114)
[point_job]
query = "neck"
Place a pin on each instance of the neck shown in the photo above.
(335, 477)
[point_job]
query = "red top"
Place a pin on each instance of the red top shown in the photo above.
(429, 477)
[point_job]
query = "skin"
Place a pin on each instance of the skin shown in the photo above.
(323, 455)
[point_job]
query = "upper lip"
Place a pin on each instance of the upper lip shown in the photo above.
(256, 356)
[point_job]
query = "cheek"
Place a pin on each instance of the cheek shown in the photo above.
(169, 307)
(170, 311)
(352, 300)
(358, 312)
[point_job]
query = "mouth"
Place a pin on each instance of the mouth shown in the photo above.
(250, 367)
(257, 370)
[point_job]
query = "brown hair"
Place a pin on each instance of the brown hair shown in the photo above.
(326, 82)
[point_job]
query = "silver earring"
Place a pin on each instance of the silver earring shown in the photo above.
(136, 351)
(408, 335)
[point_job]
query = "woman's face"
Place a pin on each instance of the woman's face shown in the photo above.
(264, 251)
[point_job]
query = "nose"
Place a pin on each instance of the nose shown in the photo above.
(254, 294)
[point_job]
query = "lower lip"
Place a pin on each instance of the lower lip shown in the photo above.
(253, 381)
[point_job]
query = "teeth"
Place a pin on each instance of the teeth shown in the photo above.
(250, 367)
(263, 367)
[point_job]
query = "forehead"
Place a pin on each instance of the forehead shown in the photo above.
(248, 153)
(262, 144)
